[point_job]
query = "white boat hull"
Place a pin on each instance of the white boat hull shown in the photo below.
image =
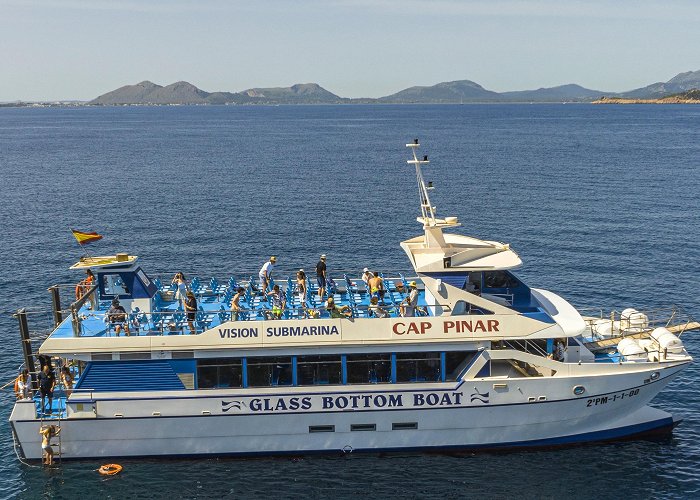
(613, 407)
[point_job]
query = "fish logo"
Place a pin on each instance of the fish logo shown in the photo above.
(481, 398)
(228, 405)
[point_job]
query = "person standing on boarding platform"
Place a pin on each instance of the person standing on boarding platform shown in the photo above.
(265, 275)
(47, 383)
(67, 380)
(22, 385)
(321, 276)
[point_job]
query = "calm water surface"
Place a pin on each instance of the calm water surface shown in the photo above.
(601, 202)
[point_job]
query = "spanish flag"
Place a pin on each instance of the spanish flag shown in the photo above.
(85, 238)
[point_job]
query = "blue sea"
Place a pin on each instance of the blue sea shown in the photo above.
(601, 203)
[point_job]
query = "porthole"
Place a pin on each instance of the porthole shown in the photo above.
(579, 389)
(654, 375)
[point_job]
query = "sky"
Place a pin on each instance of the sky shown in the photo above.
(75, 49)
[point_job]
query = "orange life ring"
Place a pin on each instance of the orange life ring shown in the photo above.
(110, 469)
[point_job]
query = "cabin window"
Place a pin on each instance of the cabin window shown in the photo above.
(269, 371)
(457, 362)
(319, 370)
(113, 284)
(417, 366)
(219, 373)
(368, 368)
(500, 279)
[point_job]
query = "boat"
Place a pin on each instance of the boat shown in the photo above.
(464, 356)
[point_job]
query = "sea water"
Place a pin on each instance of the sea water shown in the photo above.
(601, 203)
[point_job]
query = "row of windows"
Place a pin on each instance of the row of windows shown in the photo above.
(336, 369)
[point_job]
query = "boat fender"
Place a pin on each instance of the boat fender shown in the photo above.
(667, 341)
(110, 469)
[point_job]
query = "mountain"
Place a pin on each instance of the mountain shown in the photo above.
(460, 91)
(306, 93)
(446, 92)
(568, 93)
(128, 94)
(679, 83)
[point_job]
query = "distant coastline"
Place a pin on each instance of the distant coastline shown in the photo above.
(689, 97)
(681, 89)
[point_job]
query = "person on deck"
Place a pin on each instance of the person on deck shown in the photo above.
(236, 304)
(366, 276)
(321, 276)
(278, 302)
(301, 287)
(84, 287)
(265, 275)
(67, 380)
(337, 311)
(409, 304)
(117, 317)
(376, 286)
(22, 384)
(376, 310)
(47, 432)
(190, 306)
(47, 383)
(181, 288)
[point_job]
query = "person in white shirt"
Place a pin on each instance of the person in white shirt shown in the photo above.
(265, 275)
(366, 276)
(409, 304)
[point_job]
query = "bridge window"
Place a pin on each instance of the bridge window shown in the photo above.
(417, 366)
(369, 368)
(319, 370)
(269, 371)
(218, 373)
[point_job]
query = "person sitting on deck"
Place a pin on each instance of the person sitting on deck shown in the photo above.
(67, 380)
(47, 383)
(376, 310)
(376, 287)
(236, 304)
(191, 310)
(409, 304)
(321, 276)
(265, 275)
(117, 317)
(278, 302)
(47, 432)
(337, 311)
(22, 384)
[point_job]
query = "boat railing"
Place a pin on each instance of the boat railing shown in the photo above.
(175, 322)
(634, 322)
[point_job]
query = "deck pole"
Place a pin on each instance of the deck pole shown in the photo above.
(56, 302)
(21, 316)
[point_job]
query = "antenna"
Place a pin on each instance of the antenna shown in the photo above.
(428, 218)
(427, 209)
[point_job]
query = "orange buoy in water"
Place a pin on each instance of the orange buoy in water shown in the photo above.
(110, 469)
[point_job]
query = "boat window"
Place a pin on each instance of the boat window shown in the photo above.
(418, 367)
(269, 371)
(456, 362)
(500, 279)
(219, 373)
(369, 368)
(319, 370)
(114, 285)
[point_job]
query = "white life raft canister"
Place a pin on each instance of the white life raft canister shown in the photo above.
(631, 350)
(667, 341)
